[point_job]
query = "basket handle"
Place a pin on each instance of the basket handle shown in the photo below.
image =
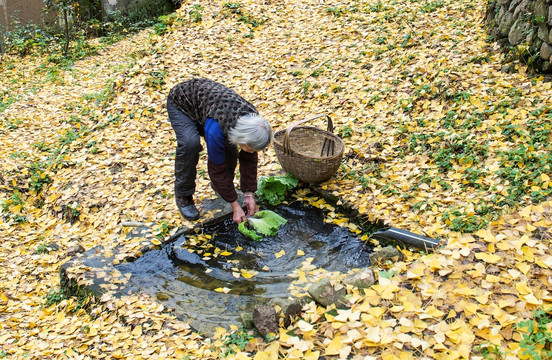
(326, 147)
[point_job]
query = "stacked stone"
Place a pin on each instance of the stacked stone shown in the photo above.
(524, 22)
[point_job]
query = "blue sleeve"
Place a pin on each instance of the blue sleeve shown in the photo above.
(214, 137)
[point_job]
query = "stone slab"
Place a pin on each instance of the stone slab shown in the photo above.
(95, 270)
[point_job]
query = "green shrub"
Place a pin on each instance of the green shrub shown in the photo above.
(24, 39)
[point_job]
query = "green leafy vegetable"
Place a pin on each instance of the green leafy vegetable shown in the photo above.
(265, 222)
(273, 188)
(242, 227)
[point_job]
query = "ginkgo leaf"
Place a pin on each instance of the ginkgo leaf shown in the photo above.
(489, 258)
(311, 355)
(223, 289)
(248, 274)
(92, 331)
(531, 299)
(373, 334)
(334, 346)
(304, 326)
(137, 331)
(270, 353)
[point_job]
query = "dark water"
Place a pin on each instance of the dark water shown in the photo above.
(184, 274)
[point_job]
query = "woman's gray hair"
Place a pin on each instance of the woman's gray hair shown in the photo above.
(252, 130)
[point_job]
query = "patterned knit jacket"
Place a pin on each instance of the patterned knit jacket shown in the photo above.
(203, 98)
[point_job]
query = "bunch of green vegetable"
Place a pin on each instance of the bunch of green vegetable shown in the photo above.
(273, 188)
(265, 222)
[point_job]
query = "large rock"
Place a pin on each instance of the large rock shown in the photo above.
(265, 320)
(290, 308)
(519, 32)
(535, 46)
(546, 51)
(247, 320)
(388, 253)
(362, 279)
(326, 294)
(182, 254)
(513, 5)
(74, 250)
(505, 23)
(520, 9)
(543, 32)
(540, 10)
(294, 309)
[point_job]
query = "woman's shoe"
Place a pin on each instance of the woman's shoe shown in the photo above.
(187, 208)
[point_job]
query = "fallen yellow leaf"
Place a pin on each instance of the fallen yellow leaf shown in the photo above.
(137, 331)
(334, 346)
(92, 331)
(248, 274)
(489, 258)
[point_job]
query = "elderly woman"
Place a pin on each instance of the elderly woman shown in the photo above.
(202, 107)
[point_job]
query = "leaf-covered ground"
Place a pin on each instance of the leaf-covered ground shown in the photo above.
(438, 141)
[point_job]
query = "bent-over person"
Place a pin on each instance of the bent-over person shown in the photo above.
(204, 108)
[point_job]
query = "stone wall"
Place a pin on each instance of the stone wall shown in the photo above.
(526, 26)
(22, 11)
(25, 11)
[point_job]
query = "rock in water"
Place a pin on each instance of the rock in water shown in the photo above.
(182, 254)
(265, 320)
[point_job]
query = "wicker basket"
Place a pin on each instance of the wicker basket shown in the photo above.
(310, 154)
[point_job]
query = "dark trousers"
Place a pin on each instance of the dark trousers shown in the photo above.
(188, 147)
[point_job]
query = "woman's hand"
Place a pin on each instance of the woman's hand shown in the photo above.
(239, 214)
(252, 207)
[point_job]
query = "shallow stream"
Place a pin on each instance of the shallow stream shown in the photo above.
(209, 279)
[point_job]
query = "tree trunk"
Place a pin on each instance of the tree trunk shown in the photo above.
(102, 12)
(66, 18)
